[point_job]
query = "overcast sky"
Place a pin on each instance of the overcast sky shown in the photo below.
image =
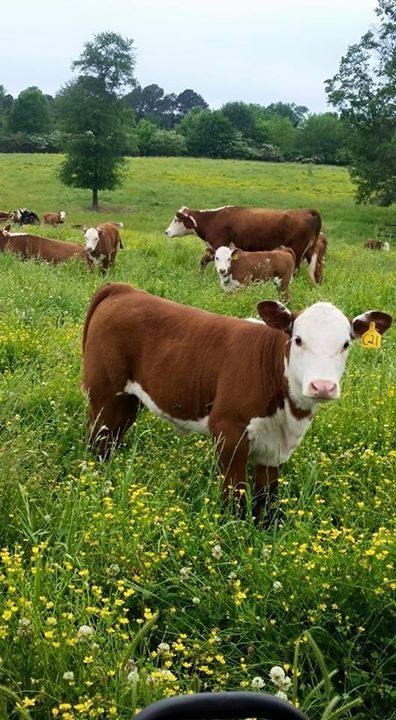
(257, 51)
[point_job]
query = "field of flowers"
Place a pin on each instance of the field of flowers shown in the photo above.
(124, 582)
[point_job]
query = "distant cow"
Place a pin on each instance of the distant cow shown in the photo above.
(57, 218)
(101, 244)
(4, 215)
(377, 245)
(315, 257)
(32, 246)
(23, 216)
(250, 229)
(236, 267)
(254, 387)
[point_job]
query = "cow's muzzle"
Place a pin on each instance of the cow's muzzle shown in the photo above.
(323, 390)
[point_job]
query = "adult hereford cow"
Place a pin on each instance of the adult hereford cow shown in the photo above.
(255, 388)
(57, 218)
(101, 244)
(250, 229)
(33, 246)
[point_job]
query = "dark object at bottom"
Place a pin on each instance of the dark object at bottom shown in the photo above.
(221, 706)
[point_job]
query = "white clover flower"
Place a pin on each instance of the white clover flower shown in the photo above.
(277, 674)
(163, 648)
(113, 569)
(185, 571)
(68, 675)
(280, 694)
(133, 676)
(85, 632)
(217, 551)
(257, 683)
(285, 684)
(196, 601)
(266, 552)
(277, 586)
(232, 575)
(24, 626)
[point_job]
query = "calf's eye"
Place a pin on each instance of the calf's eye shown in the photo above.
(346, 345)
(298, 340)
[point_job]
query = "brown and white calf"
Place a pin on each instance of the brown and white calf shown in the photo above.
(33, 246)
(101, 244)
(250, 229)
(236, 268)
(377, 245)
(254, 387)
(4, 215)
(57, 218)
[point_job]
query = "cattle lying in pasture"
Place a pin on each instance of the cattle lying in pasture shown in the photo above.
(54, 218)
(33, 246)
(23, 216)
(101, 244)
(315, 257)
(250, 229)
(377, 245)
(4, 215)
(236, 267)
(254, 387)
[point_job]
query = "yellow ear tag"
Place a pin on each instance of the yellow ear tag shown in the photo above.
(371, 339)
(235, 256)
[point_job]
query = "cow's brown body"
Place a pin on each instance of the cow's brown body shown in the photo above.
(279, 264)
(253, 229)
(32, 246)
(4, 215)
(376, 245)
(53, 218)
(106, 249)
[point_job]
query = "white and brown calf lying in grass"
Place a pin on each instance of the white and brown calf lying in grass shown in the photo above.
(236, 267)
(254, 387)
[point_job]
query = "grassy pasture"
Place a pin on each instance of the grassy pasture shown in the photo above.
(178, 595)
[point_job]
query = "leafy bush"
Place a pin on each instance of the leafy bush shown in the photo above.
(31, 143)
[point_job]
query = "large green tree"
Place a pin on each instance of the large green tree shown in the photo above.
(322, 136)
(30, 113)
(94, 117)
(364, 90)
(208, 133)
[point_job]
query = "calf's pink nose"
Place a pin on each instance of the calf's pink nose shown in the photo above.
(325, 389)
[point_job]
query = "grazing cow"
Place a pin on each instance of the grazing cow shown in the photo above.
(236, 268)
(101, 244)
(4, 215)
(254, 387)
(250, 229)
(24, 217)
(315, 257)
(57, 218)
(377, 245)
(32, 246)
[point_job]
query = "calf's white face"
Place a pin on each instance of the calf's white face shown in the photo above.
(177, 228)
(318, 350)
(91, 237)
(62, 215)
(223, 256)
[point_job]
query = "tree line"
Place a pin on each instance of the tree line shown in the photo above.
(156, 123)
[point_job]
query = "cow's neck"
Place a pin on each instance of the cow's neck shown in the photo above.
(203, 219)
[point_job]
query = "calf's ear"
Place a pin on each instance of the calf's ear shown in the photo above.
(276, 315)
(361, 323)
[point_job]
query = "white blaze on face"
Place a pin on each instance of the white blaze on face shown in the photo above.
(223, 260)
(318, 351)
(177, 227)
(91, 237)
(62, 215)
(386, 246)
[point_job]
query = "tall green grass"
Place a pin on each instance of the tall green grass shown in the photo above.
(179, 595)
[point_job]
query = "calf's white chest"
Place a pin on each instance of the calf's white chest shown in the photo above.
(272, 440)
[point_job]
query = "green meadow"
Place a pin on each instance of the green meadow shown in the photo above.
(124, 582)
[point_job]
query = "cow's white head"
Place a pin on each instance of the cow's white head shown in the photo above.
(223, 259)
(91, 237)
(386, 246)
(318, 347)
(62, 216)
(182, 224)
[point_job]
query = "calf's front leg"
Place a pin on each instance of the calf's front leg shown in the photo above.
(265, 491)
